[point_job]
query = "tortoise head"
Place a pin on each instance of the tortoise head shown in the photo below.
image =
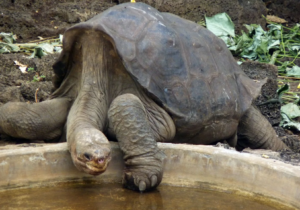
(90, 151)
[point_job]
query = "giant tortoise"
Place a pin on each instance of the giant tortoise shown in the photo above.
(140, 76)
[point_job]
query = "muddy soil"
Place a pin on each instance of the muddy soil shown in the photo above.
(286, 9)
(260, 71)
(18, 86)
(30, 18)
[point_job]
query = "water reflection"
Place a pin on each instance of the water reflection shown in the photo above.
(91, 196)
(147, 201)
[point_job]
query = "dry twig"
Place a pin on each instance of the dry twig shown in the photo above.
(36, 98)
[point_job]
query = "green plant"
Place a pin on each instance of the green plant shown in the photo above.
(278, 45)
(30, 69)
(269, 46)
(38, 78)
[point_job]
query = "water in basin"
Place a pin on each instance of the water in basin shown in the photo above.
(108, 196)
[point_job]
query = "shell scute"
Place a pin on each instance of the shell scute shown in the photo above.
(161, 63)
(127, 25)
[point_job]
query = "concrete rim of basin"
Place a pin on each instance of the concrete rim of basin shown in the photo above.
(186, 165)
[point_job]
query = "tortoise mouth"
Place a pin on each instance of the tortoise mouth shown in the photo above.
(94, 167)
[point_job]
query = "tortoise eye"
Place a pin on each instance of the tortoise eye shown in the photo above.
(87, 156)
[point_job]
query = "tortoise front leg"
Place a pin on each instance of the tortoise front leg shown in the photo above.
(143, 160)
(39, 121)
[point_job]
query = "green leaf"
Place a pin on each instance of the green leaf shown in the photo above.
(295, 47)
(291, 110)
(42, 49)
(273, 44)
(262, 46)
(294, 72)
(242, 42)
(57, 49)
(220, 24)
(285, 88)
(46, 47)
(283, 68)
(9, 38)
(30, 69)
(38, 52)
(250, 28)
(275, 29)
(287, 123)
(8, 48)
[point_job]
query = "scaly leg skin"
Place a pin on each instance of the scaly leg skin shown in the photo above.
(143, 160)
(256, 132)
(39, 121)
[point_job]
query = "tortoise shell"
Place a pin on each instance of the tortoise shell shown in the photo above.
(183, 66)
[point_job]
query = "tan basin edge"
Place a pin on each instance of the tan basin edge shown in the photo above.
(188, 165)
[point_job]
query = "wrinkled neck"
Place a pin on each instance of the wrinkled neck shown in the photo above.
(90, 107)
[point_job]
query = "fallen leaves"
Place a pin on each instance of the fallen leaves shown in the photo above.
(37, 48)
(275, 19)
(22, 67)
(220, 25)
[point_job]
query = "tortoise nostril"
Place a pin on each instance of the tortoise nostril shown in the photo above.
(101, 160)
(87, 156)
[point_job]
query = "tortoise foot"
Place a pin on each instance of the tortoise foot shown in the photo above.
(145, 176)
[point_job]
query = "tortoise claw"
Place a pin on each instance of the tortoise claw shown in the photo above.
(126, 177)
(153, 180)
(142, 186)
(138, 181)
(143, 174)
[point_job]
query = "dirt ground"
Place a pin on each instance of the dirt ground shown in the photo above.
(29, 19)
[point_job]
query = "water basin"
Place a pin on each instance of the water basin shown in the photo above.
(196, 177)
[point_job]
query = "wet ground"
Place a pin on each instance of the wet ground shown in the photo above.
(113, 196)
